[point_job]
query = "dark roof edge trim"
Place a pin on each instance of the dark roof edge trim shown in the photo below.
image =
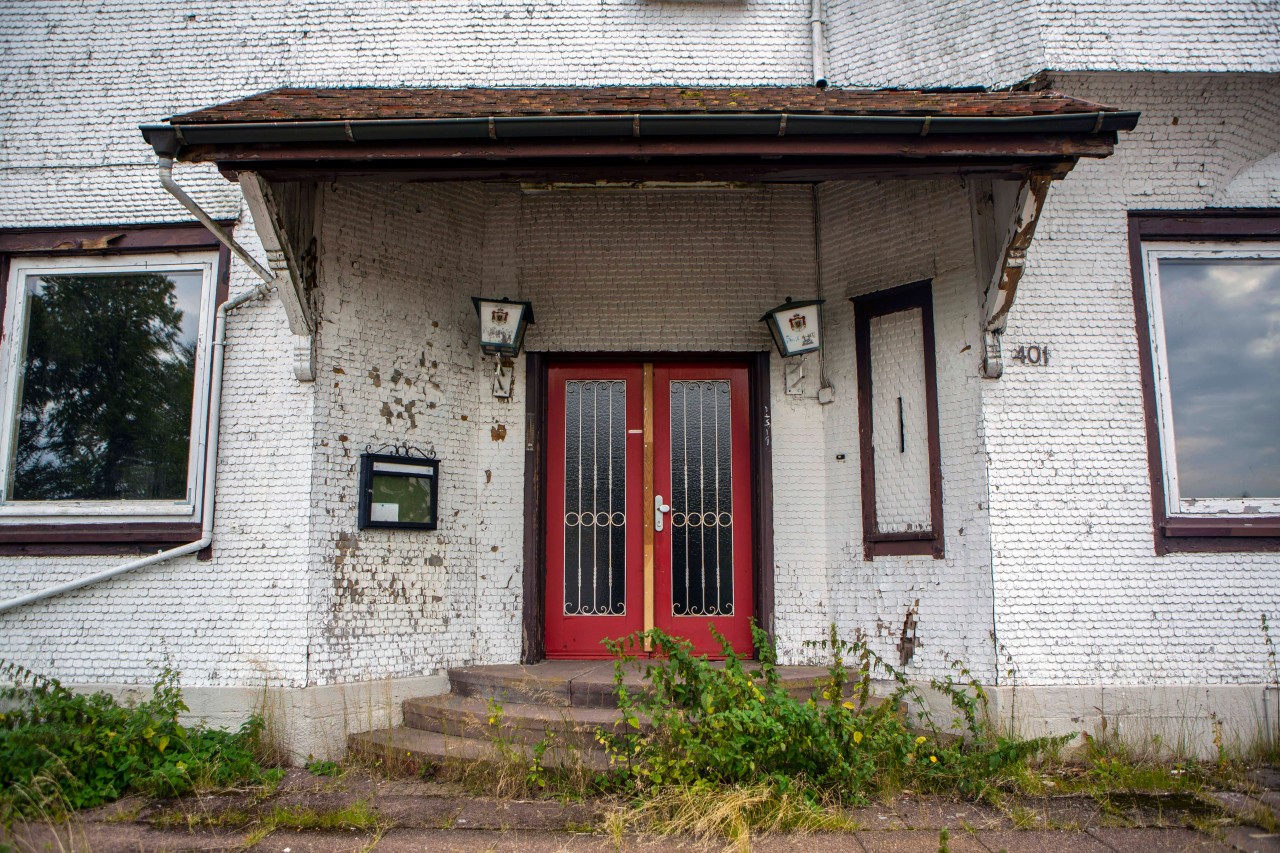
(169, 139)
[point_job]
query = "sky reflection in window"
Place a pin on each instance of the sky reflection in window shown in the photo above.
(1222, 336)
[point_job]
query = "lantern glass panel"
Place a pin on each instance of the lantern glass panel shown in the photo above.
(501, 326)
(797, 329)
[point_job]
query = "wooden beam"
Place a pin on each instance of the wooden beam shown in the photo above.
(284, 258)
(648, 514)
(1003, 287)
(976, 146)
(1013, 257)
(774, 171)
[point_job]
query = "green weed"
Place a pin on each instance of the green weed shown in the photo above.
(730, 726)
(332, 769)
(65, 750)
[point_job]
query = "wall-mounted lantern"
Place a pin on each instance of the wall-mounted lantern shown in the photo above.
(399, 489)
(796, 326)
(502, 325)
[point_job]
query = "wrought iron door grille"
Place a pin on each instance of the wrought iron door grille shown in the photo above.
(595, 499)
(701, 498)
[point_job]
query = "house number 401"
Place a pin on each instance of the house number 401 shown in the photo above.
(1037, 354)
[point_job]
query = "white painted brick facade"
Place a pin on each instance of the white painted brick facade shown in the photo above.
(1080, 596)
(985, 43)
(878, 235)
(238, 619)
(1046, 503)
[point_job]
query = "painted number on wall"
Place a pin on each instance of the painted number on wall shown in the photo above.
(1037, 354)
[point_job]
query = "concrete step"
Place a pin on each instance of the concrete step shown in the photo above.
(584, 684)
(590, 684)
(415, 750)
(527, 723)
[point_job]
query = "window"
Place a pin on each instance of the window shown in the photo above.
(898, 416)
(104, 396)
(1208, 305)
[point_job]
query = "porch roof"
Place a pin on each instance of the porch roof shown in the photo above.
(682, 133)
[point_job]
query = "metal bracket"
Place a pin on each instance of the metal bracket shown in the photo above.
(793, 376)
(992, 357)
(504, 373)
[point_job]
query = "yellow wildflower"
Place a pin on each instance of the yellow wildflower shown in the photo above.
(933, 758)
(921, 740)
(857, 737)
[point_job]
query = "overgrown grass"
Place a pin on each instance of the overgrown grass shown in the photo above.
(61, 751)
(732, 727)
(710, 812)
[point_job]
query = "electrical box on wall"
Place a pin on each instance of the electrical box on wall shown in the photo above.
(398, 491)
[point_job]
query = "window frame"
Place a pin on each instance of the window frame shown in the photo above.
(927, 543)
(1212, 527)
(106, 527)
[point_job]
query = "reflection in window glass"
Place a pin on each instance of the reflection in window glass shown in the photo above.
(1222, 340)
(107, 386)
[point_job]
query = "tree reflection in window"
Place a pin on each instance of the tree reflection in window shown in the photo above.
(107, 386)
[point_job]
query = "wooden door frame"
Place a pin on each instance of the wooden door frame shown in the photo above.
(533, 625)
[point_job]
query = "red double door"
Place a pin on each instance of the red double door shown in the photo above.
(648, 505)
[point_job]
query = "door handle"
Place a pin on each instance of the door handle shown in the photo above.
(658, 509)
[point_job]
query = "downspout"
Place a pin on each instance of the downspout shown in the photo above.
(210, 444)
(818, 43)
(167, 181)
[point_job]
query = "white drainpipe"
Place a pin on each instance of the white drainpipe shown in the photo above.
(818, 39)
(210, 447)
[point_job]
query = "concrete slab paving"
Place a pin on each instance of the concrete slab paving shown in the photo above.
(291, 841)
(429, 841)
(936, 813)
(877, 817)
(822, 842)
(1159, 841)
(920, 841)
(1251, 839)
(1070, 813)
(418, 812)
(542, 815)
(116, 838)
(1041, 841)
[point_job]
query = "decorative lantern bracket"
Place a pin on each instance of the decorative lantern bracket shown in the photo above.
(793, 376)
(504, 372)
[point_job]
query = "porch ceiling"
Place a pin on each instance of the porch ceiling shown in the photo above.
(629, 133)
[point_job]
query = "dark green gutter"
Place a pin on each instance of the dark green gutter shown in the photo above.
(169, 139)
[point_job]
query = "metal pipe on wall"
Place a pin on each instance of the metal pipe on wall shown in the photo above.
(818, 42)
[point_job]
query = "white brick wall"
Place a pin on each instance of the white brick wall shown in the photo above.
(985, 43)
(395, 365)
(1080, 596)
(881, 234)
(238, 619)
(293, 595)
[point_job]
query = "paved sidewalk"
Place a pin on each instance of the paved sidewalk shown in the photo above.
(397, 816)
